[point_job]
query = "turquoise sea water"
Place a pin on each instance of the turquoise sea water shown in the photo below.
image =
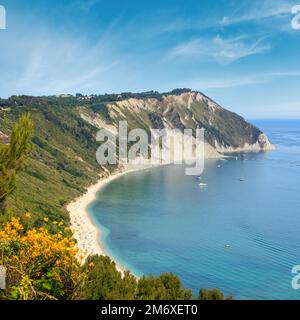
(160, 220)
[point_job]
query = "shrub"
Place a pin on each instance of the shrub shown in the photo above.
(39, 265)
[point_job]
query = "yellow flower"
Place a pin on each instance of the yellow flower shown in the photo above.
(46, 219)
(91, 264)
(38, 247)
(28, 215)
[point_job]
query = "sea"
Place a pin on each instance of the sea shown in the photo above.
(240, 233)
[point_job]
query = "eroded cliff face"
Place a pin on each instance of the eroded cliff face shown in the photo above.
(225, 131)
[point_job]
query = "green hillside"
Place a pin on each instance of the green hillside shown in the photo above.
(62, 163)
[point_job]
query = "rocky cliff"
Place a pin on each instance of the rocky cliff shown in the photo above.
(225, 131)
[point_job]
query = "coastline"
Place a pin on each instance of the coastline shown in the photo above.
(85, 231)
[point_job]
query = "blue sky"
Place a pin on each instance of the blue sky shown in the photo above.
(242, 53)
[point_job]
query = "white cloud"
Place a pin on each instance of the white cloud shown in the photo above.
(223, 50)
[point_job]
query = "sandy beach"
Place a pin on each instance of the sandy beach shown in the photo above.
(86, 233)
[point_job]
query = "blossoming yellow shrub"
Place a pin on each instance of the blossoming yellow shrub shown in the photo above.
(40, 265)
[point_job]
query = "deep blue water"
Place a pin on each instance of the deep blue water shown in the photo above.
(160, 220)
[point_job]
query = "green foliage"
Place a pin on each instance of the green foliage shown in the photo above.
(167, 286)
(13, 156)
(213, 294)
(104, 282)
(62, 163)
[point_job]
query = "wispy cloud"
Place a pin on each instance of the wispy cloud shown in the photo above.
(263, 11)
(52, 64)
(238, 81)
(85, 5)
(223, 50)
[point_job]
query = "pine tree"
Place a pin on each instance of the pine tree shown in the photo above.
(13, 157)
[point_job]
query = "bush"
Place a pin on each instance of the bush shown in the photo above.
(39, 265)
(213, 294)
(104, 282)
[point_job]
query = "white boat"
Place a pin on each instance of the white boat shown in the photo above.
(202, 184)
(227, 246)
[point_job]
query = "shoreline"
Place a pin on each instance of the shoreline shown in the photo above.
(85, 231)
